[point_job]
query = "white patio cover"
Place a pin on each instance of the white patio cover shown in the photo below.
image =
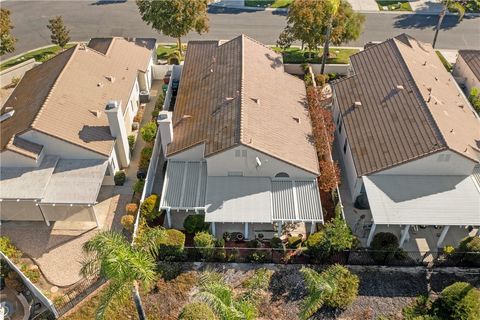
(423, 200)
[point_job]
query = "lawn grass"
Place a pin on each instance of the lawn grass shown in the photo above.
(40, 55)
(296, 55)
(392, 5)
(268, 3)
(445, 63)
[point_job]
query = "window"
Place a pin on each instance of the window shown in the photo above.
(282, 175)
(345, 146)
(235, 173)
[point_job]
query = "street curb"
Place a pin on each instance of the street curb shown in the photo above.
(216, 5)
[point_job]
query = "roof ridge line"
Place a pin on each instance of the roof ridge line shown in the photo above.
(425, 109)
(242, 91)
(75, 48)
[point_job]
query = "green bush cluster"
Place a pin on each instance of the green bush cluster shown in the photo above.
(459, 301)
(294, 242)
(321, 79)
(197, 311)
(127, 221)
(276, 243)
(149, 208)
(138, 186)
(259, 256)
(472, 246)
(334, 237)
(158, 104)
(385, 246)
(195, 223)
(149, 131)
(145, 156)
(131, 143)
(171, 246)
(174, 58)
(474, 98)
(119, 178)
(205, 242)
(9, 249)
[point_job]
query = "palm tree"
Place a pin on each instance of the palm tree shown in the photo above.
(333, 6)
(318, 287)
(216, 293)
(109, 255)
(453, 6)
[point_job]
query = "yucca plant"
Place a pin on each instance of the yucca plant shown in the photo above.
(318, 287)
(110, 256)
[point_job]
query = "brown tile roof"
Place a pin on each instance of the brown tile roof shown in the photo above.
(237, 93)
(65, 105)
(472, 59)
(30, 94)
(395, 122)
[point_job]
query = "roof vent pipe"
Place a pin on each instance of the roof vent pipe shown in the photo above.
(400, 87)
(358, 104)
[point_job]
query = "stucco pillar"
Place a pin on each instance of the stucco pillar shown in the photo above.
(43, 215)
(169, 218)
(279, 229)
(404, 235)
(371, 234)
(94, 215)
(312, 227)
(442, 236)
(246, 230)
(214, 231)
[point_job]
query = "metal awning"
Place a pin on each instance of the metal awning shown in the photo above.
(423, 200)
(184, 186)
(296, 200)
(238, 199)
(55, 181)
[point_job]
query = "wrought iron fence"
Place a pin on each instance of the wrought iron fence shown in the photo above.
(302, 256)
(76, 294)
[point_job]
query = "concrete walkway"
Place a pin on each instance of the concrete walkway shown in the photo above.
(426, 6)
(364, 5)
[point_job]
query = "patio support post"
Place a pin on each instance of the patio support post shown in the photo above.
(169, 218)
(214, 231)
(92, 211)
(371, 234)
(246, 230)
(43, 215)
(442, 236)
(404, 235)
(279, 229)
(312, 227)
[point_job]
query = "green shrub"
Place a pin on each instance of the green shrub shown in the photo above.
(138, 186)
(419, 309)
(474, 98)
(384, 246)
(171, 246)
(259, 256)
(308, 80)
(195, 223)
(149, 208)
(197, 311)
(220, 243)
(254, 243)
(276, 243)
(205, 242)
(9, 249)
(119, 178)
(127, 222)
(332, 76)
(294, 242)
(321, 79)
(334, 237)
(149, 131)
(31, 272)
(460, 301)
(131, 143)
(155, 113)
(173, 58)
(346, 286)
(472, 246)
(169, 270)
(448, 250)
(145, 157)
(260, 280)
(131, 209)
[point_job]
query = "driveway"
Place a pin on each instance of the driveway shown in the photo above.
(57, 249)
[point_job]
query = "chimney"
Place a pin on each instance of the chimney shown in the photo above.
(165, 128)
(116, 122)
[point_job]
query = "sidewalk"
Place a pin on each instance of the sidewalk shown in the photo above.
(426, 6)
(364, 5)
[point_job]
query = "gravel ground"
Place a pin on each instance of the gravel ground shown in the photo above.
(383, 291)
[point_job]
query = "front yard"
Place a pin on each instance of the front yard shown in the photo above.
(268, 3)
(394, 5)
(296, 55)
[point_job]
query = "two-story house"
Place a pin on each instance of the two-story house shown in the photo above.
(238, 142)
(409, 140)
(64, 128)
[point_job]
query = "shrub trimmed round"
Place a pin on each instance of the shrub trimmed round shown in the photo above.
(472, 246)
(127, 222)
(205, 242)
(172, 245)
(384, 246)
(131, 208)
(197, 311)
(459, 301)
(148, 131)
(119, 178)
(149, 208)
(195, 223)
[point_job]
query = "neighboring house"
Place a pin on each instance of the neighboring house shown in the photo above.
(239, 143)
(64, 128)
(409, 139)
(467, 69)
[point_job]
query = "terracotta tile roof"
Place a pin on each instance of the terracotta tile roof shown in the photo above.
(472, 59)
(237, 93)
(78, 84)
(30, 94)
(397, 121)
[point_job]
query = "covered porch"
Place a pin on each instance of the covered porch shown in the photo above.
(425, 212)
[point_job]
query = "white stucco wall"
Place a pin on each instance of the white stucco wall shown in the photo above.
(440, 163)
(194, 153)
(13, 159)
(63, 149)
(67, 213)
(464, 75)
(232, 161)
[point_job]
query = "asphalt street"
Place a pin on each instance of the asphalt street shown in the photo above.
(88, 19)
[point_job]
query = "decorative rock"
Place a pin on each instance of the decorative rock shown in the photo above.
(54, 289)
